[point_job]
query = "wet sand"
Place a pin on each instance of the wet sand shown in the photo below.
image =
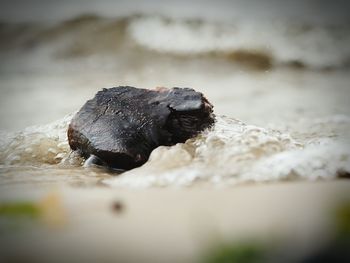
(173, 225)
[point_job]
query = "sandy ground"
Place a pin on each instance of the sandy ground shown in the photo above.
(169, 225)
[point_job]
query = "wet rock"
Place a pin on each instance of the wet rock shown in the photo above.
(121, 126)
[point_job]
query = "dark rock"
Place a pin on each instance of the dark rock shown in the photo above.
(121, 126)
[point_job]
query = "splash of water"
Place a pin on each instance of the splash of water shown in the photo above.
(230, 152)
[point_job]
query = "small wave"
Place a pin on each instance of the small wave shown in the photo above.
(291, 44)
(36, 145)
(233, 152)
(78, 37)
(260, 46)
(229, 153)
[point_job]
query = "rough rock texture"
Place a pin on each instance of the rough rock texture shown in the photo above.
(122, 125)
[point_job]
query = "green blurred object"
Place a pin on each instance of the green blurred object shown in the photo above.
(236, 253)
(343, 219)
(21, 209)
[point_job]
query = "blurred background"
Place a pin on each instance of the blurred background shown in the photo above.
(259, 61)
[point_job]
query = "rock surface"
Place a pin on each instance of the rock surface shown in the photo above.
(122, 125)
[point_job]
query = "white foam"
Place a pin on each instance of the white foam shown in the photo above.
(230, 152)
(233, 152)
(41, 144)
(314, 46)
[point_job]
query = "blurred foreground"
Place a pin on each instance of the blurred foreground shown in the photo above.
(290, 222)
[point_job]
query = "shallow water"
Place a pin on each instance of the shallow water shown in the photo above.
(287, 83)
(231, 152)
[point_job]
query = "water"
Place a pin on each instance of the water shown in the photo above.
(280, 89)
(229, 153)
(294, 42)
(277, 75)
